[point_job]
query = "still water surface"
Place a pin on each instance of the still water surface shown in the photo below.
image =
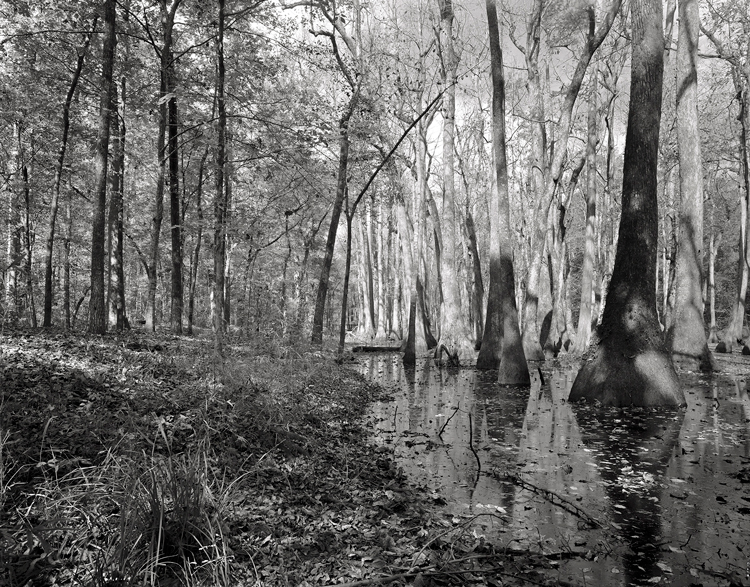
(616, 497)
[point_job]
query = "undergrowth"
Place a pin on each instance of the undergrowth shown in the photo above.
(134, 460)
(123, 459)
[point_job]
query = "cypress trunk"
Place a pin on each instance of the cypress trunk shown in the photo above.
(630, 364)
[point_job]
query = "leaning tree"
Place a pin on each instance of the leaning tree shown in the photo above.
(629, 364)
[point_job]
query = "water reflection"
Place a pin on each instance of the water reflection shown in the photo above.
(666, 486)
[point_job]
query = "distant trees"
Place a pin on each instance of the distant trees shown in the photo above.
(732, 48)
(263, 125)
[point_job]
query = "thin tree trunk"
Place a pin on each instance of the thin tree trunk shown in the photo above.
(13, 250)
(174, 202)
(158, 215)
(116, 290)
(365, 232)
(380, 332)
(66, 263)
(670, 219)
(228, 245)
(97, 307)
(195, 257)
(341, 183)
(410, 345)
(454, 336)
(687, 333)
(713, 249)
(630, 364)
(502, 347)
(345, 293)
(217, 300)
(734, 330)
(55, 200)
(554, 175)
(477, 283)
(585, 315)
(28, 248)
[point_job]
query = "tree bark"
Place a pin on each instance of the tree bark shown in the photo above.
(419, 338)
(502, 347)
(585, 315)
(411, 343)
(713, 249)
(477, 283)
(217, 299)
(116, 288)
(13, 243)
(55, 200)
(27, 244)
(630, 364)
(97, 307)
(539, 170)
(383, 273)
(345, 293)
(364, 228)
(66, 263)
(559, 338)
(174, 202)
(195, 258)
(454, 337)
(338, 203)
(686, 336)
(734, 330)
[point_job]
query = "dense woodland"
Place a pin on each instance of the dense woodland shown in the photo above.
(258, 166)
(236, 190)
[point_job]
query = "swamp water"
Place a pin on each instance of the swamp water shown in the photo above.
(612, 497)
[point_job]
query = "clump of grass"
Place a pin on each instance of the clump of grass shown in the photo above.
(178, 434)
(136, 519)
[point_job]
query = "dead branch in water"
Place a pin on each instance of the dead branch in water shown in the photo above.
(550, 496)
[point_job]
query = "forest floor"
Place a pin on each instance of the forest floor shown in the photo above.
(140, 459)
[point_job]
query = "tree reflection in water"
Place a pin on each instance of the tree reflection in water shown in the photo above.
(667, 486)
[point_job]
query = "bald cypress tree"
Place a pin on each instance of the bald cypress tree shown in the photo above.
(629, 364)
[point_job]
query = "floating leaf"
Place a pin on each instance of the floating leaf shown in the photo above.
(664, 567)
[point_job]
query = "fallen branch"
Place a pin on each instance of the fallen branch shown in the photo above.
(471, 446)
(550, 496)
(442, 429)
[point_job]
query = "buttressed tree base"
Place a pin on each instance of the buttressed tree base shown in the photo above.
(616, 379)
(630, 363)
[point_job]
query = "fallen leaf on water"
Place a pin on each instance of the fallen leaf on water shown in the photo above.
(664, 567)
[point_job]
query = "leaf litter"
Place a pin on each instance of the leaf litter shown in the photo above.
(136, 459)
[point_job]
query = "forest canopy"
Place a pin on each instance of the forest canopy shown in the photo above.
(255, 167)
